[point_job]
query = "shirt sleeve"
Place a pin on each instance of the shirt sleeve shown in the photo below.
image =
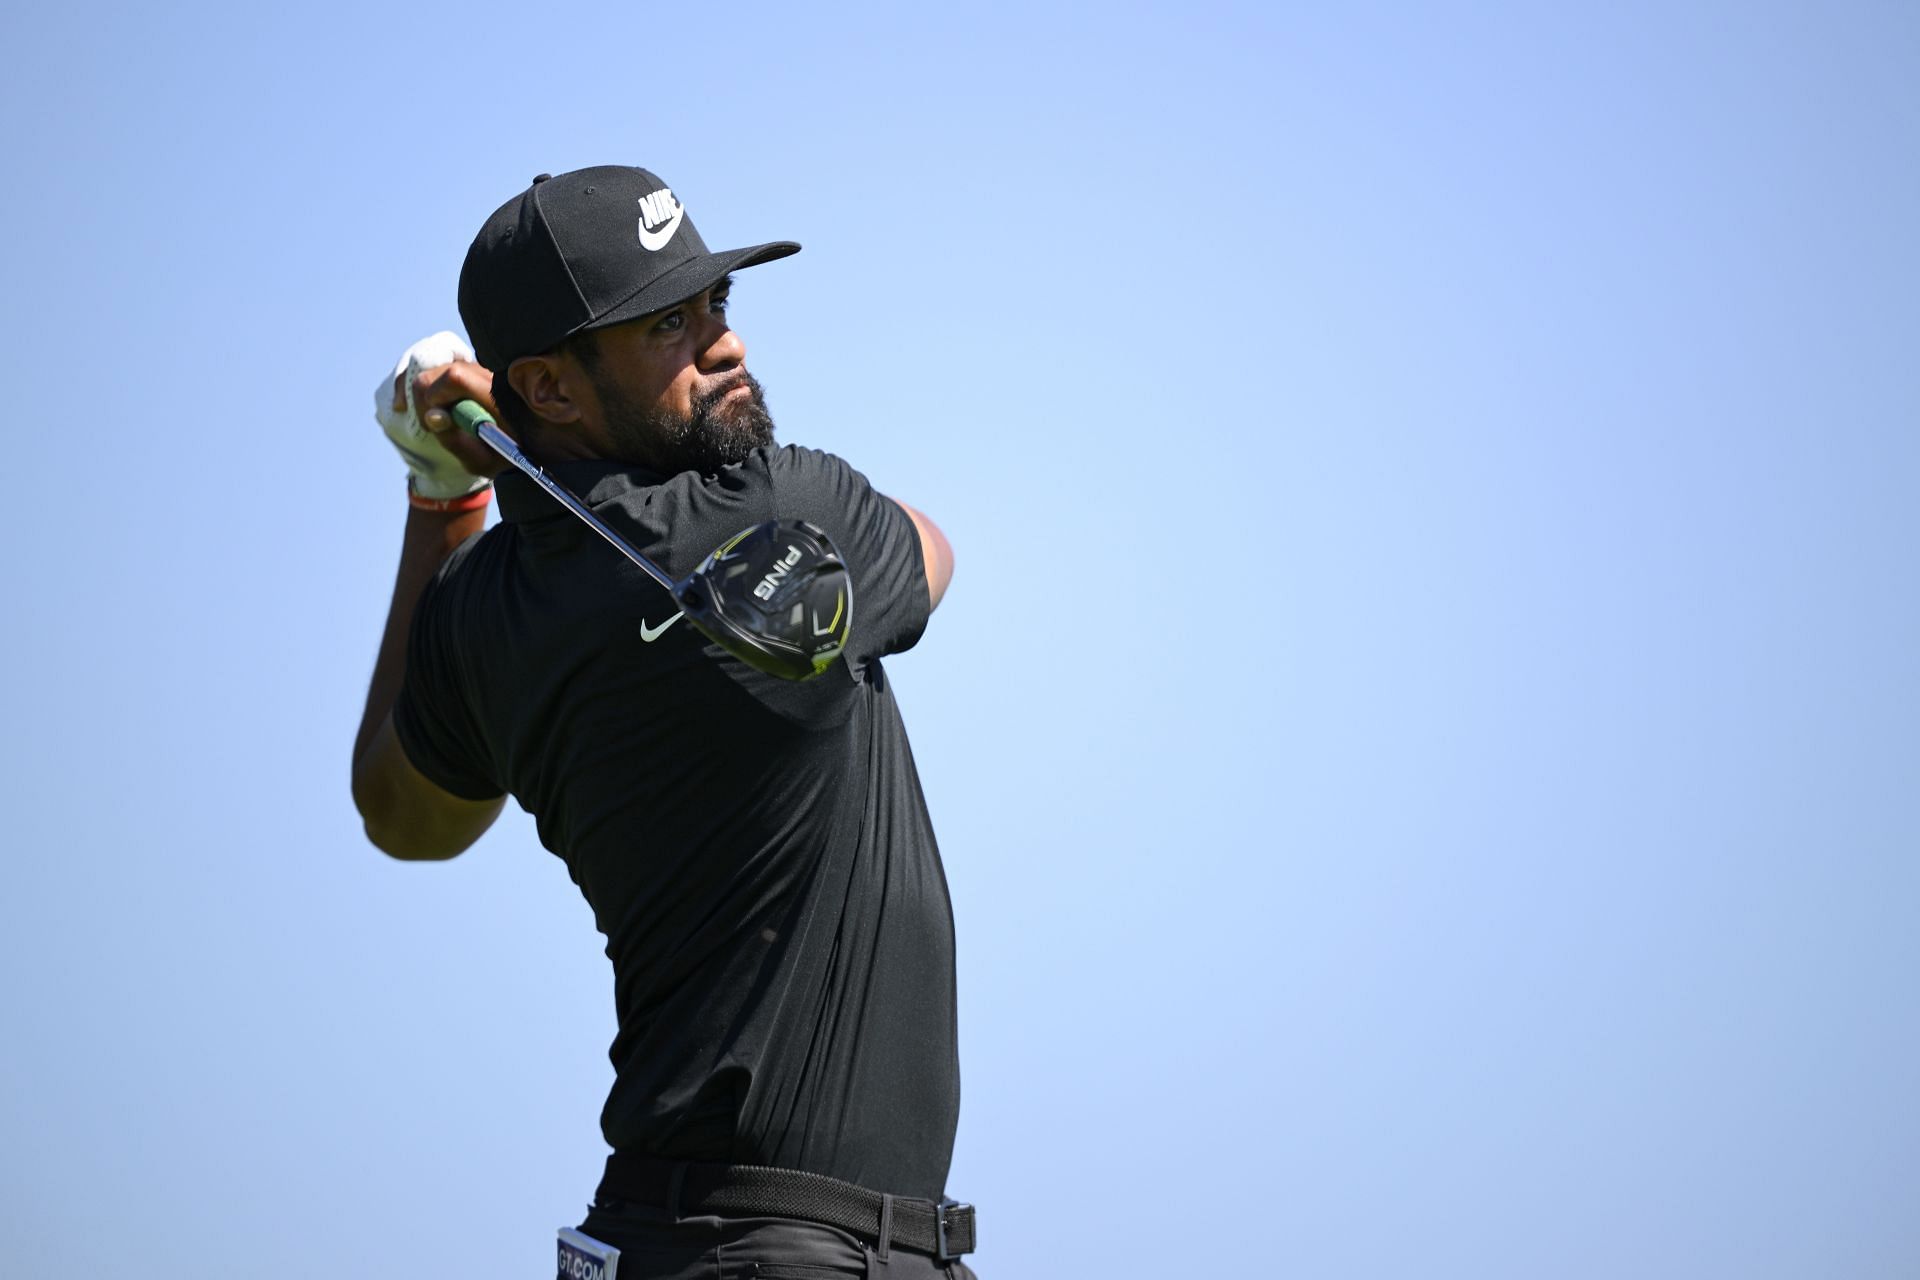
(877, 539)
(432, 717)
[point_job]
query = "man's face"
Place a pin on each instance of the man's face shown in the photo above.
(673, 388)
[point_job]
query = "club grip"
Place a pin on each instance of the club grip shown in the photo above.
(468, 415)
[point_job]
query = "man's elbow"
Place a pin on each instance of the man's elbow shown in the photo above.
(408, 846)
(936, 554)
(394, 831)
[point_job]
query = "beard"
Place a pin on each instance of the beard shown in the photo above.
(717, 432)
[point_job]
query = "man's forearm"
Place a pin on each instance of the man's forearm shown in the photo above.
(430, 537)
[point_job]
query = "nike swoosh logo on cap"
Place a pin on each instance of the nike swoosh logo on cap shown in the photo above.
(650, 634)
(652, 208)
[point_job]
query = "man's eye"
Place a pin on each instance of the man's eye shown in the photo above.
(720, 305)
(668, 323)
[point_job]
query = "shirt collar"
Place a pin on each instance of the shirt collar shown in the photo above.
(595, 481)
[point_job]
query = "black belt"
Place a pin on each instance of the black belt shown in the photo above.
(944, 1230)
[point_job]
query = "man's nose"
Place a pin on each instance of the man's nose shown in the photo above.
(723, 350)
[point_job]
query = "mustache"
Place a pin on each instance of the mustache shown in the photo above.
(705, 402)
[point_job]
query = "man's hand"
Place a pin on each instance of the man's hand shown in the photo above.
(411, 405)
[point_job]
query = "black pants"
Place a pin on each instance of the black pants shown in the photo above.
(656, 1246)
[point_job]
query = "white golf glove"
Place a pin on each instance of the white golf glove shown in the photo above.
(433, 472)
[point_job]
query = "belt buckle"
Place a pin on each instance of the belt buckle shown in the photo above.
(940, 1228)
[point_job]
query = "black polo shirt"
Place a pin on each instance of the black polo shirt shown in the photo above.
(757, 852)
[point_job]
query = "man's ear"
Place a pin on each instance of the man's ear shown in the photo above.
(549, 384)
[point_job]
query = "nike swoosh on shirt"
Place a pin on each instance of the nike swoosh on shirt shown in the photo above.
(650, 634)
(657, 240)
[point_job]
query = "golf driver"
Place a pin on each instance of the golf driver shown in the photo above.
(777, 596)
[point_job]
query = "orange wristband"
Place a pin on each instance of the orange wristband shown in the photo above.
(474, 501)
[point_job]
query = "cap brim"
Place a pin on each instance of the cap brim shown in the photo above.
(686, 280)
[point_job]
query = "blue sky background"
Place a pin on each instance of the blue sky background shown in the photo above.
(1423, 736)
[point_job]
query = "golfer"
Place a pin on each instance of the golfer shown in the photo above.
(756, 851)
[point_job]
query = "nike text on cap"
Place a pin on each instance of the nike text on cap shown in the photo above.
(588, 248)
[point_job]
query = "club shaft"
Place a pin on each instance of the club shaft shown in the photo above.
(501, 443)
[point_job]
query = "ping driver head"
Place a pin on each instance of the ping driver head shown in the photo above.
(776, 596)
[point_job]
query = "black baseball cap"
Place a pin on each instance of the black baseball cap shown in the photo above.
(584, 249)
